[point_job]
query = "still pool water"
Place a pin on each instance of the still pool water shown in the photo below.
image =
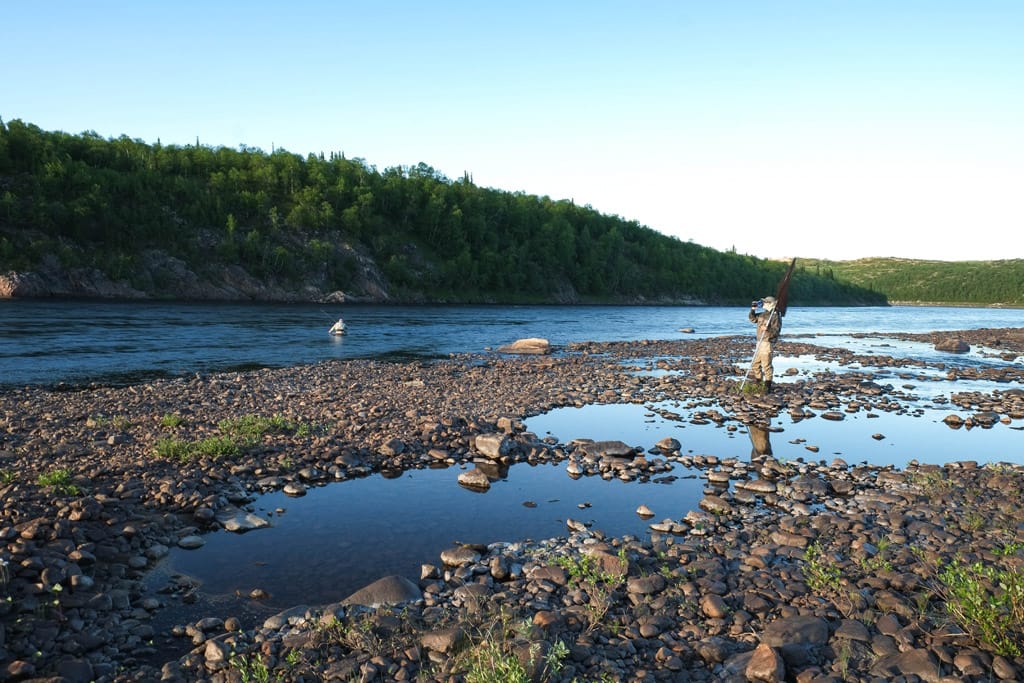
(336, 539)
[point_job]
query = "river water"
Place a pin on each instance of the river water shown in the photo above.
(334, 540)
(48, 342)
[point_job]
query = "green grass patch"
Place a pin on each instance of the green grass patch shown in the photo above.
(185, 451)
(251, 428)
(171, 421)
(59, 481)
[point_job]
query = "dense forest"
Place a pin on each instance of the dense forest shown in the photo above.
(976, 283)
(115, 207)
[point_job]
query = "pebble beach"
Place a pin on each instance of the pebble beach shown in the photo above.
(813, 570)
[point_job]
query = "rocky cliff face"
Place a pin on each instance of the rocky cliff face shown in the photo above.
(161, 276)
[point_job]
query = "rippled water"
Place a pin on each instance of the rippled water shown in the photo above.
(46, 342)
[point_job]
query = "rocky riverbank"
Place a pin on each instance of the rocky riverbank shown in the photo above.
(807, 571)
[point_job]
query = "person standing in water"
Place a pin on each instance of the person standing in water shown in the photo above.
(769, 325)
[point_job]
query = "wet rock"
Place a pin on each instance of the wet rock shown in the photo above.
(390, 590)
(952, 345)
(475, 478)
(236, 519)
(494, 446)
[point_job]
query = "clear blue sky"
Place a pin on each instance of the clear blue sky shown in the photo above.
(817, 128)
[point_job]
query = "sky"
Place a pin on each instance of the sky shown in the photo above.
(776, 128)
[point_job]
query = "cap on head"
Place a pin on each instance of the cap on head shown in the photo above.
(769, 302)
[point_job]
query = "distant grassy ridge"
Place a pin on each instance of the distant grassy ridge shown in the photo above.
(923, 282)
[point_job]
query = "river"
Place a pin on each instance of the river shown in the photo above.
(46, 342)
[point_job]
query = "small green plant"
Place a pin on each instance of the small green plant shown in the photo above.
(987, 602)
(172, 449)
(59, 481)
(821, 572)
(599, 585)
(880, 561)
(119, 422)
(489, 663)
(171, 421)
(251, 668)
(7, 476)
(843, 660)
(1009, 549)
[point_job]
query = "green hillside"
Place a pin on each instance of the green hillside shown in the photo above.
(83, 215)
(977, 283)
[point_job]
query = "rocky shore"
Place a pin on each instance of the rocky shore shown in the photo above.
(804, 571)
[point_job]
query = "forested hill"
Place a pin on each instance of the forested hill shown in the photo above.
(83, 215)
(909, 281)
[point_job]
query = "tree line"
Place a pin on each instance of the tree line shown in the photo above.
(102, 203)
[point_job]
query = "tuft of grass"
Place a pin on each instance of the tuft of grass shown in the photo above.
(251, 428)
(503, 653)
(59, 481)
(7, 476)
(171, 421)
(184, 451)
(237, 434)
(251, 668)
(599, 585)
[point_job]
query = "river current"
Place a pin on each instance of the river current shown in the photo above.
(46, 342)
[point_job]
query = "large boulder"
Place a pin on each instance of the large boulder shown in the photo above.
(952, 345)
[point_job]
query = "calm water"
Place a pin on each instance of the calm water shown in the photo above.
(322, 547)
(46, 342)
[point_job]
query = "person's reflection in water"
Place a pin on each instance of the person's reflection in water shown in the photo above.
(760, 443)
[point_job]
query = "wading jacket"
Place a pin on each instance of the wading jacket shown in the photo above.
(768, 325)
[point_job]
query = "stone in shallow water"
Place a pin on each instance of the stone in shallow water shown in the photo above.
(191, 542)
(475, 479)
(389, 590)
(236, 519)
